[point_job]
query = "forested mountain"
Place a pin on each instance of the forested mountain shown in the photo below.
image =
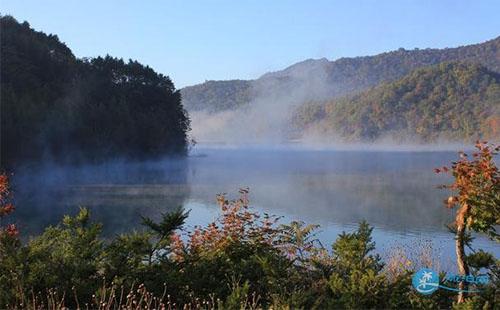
(56, 106)
(450, 101)
(217, 95)
(322, 79)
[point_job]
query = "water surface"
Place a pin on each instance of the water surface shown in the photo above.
(394, 191)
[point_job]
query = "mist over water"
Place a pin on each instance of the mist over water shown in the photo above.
(117, 192)
(395, 191)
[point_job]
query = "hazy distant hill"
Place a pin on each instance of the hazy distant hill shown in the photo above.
(322, 79)
(217, 95)
(450, 101)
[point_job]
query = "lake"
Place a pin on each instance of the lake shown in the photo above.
(395, 191)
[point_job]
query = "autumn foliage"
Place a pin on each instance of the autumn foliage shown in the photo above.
(476, 195)
(6, 207)
(236, 225)
(476, 186)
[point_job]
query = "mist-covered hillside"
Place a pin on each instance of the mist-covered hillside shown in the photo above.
(324, 79)
(450, 101)
(287, 105)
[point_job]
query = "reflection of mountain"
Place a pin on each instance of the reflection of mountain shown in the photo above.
(117, 193)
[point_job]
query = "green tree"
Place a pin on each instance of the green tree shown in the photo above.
(55, 106)
(67, 257)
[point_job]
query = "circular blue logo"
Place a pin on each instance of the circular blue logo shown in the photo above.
(425, 281)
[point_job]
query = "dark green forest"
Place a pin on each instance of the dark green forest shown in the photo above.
(450, 101)
(58, 107)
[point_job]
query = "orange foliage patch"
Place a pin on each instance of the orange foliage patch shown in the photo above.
(6, 207)
(237, 224)
(472, 176)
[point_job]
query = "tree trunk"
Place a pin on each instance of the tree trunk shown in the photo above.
(463, 268)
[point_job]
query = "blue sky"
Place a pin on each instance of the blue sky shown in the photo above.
(194, 41)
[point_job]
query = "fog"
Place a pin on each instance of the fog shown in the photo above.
(341, 186)
(311, 177)
(266, 118)
(394, 191)
(118, 192)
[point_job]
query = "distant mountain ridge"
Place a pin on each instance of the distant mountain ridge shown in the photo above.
(337, 78)
(452, 101)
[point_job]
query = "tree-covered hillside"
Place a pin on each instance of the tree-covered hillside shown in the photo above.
(217, 95)
(452, 101)
(56, 106)
(323, 79)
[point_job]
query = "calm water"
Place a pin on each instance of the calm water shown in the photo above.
(394, 191)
